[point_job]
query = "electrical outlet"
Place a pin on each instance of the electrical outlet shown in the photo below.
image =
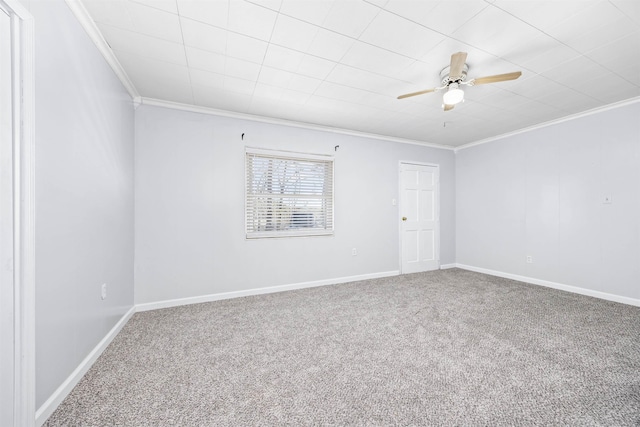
(529, 259)
(103, 291)
(354, 252)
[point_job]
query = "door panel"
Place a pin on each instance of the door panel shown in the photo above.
(427, 251)
(411, 208)
(411, 250)
(419, 218)
(427, 208)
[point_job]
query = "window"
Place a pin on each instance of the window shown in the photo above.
(288, 194)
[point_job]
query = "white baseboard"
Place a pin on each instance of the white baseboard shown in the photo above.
(448, 266)
(554, 285)
(259, 291)
(65, 388)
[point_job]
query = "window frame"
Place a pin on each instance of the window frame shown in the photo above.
(288, 155)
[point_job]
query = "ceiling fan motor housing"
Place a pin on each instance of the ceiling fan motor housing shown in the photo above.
(444, 75)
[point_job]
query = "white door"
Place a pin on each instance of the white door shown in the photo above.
(6, 228)
(419, 218)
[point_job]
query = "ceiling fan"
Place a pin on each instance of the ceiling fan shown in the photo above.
(453, 77)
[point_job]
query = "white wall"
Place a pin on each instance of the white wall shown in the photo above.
(189, 189)
(541, 193)
(84, 195)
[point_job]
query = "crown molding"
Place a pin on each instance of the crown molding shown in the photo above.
(284, 122)
(552, 122)
(82, 15)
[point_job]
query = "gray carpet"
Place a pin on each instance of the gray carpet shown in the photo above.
(449, 347)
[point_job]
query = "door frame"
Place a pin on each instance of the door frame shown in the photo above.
(400, 202)
(23, 160)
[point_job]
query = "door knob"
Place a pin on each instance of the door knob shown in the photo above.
(404, 218)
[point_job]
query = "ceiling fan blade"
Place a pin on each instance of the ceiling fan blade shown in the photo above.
(497, 78)
(422, 92)
(457, 64)
(448, 107)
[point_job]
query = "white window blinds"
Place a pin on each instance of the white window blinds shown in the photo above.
(288, 194)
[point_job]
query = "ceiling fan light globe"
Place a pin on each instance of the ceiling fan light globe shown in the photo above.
(453, 96)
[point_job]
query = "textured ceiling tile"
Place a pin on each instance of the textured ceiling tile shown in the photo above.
(104, 12)
(350, 18)
(421, 74)
(269, 4)
(496, 32)
(283, 58)
(294, 97)
(353, 77)
(505, 99)
(204, 60)
(379, 3)
(143, 45)
(544, 14)
(165, 5)
(247, 48)
(385, 102)
(448, 16)
(625, 62)
(541, 54)
(275, 77)
(630, 8)
(538, 112)
(312, 11)
(330, 45)
(203, 36)
(569, 100)
(251, 19)
(154, 22)
(293, 33)
(152, 69)
(599, 35)
(608, 88)
(343, 93)
(237, 85)
(157, 79)
(242, 69)
(212, 12)
(575, 71)
(484, 112)
(417, 10)
(376, 60)
(400, 35)
(423, 106)
(206, 78)
(577, 30)
(303, 83)
(264, 91)
(312, 66)
(534, 86)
